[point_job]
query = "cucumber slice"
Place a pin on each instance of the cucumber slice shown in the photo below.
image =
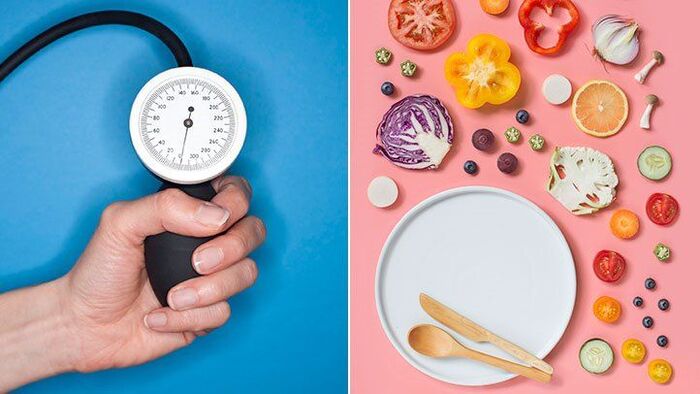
(596, 356)
(654, 163)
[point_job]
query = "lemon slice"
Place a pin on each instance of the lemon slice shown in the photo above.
(600, 108)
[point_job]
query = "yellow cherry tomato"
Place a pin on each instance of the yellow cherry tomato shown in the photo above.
(633, 351)
(660, 371)
(483, 74)
(607, 309)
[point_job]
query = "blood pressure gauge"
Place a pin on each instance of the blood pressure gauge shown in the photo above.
(188, 125)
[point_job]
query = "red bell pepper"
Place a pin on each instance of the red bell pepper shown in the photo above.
(533, 29)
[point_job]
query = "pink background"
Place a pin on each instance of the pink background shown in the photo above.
(667, 26)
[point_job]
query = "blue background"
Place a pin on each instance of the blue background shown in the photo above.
(65, 154)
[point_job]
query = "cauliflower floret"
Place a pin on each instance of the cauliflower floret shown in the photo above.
(582, 179)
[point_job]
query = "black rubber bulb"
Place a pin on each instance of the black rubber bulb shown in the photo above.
(169, 255)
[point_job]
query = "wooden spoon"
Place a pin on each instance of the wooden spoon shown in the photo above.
(433, 341)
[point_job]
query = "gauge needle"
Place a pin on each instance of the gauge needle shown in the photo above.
(188, 123)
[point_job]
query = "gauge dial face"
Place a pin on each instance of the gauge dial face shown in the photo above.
(188, 125)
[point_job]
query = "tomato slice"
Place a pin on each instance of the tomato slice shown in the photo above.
(660, 371)
(662, 209)
(633, 351)
(609, 266)
(607, 309)
(494, 7)
(422, 24)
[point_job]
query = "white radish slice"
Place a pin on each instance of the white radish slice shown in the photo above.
(382, 192)
(556, 89)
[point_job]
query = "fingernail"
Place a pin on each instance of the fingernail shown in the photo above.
(183, 298)
(207, 259)
(211, 215)
(156, 319)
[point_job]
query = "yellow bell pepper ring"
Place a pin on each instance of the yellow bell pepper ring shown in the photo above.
(483, 74)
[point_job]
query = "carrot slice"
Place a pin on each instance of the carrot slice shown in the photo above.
(494, 7)
(624, 224)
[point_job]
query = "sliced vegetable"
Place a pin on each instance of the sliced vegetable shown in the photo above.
(609, 266)
(607, 309)
(382, 56)
(534, 28)
(662, 252)
(512, 135)
(382, 192)
(616, 39)
(634, 351)
(483, 139)
(596, 356)
(536, 142)
(660, 371)
(556, 89)
(624, 224)
(483, 74)
(654, 163)
(415, 133)
(662, 209)
(582, 179)
(422, 24)
(507, 163)
(494, 7)
(600, 108)
(408, 68)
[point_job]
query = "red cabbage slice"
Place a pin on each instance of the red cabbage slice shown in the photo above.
(415, 133)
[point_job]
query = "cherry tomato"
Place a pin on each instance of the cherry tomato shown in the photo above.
(607, 309)
(662, 208)
(494, 7)
(422, 24)
(609, 266)
(660, 371)
(633, 351)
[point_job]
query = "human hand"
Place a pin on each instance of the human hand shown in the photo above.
(106, 301)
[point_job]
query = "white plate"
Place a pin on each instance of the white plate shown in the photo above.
(492, 256)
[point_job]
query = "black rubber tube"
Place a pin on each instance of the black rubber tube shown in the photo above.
(168, 256)
(143, 22)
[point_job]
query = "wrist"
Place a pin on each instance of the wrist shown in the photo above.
(38, 340)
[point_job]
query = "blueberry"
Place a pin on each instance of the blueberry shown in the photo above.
(507, 163)
(662, 341)
(388, 88)
(522, 116)
(470, 167)
(650, 284)
(647, 321)
(664, 304)
(638, 302)
(483, 139)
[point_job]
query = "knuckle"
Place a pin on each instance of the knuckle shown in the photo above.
(167, 199)
(240, 200)
(239, 244)
(111, 214)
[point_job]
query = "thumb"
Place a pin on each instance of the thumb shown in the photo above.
(168, 210)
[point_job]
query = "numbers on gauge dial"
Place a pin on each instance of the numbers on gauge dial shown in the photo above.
(188, 124)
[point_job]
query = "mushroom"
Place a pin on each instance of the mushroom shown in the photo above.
(652, 100)
(657, 58)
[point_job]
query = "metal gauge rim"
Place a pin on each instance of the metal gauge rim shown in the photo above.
(180, 176)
